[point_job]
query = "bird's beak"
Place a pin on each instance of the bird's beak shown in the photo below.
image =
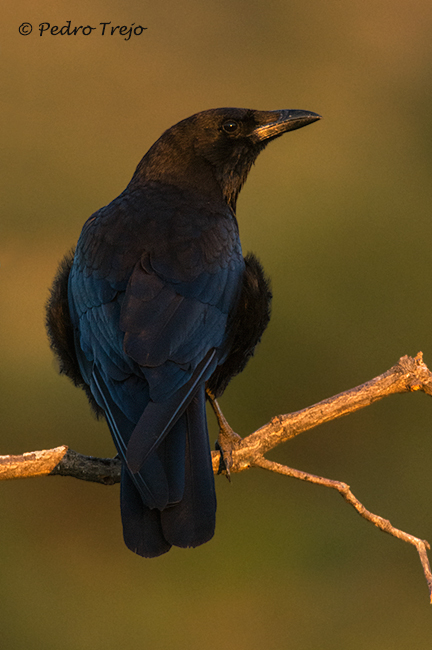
(285, 120)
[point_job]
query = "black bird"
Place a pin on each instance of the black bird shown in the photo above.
(156, 304)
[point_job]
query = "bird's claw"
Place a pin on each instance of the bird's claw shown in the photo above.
(227, 442)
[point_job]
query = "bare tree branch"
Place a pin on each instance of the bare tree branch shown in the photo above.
(344, 489)
(32, 463)
(89, 468)
(408, 375)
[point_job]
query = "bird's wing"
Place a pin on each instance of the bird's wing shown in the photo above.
(174, 316)
(163, 321)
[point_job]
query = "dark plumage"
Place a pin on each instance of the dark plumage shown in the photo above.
(156, 303)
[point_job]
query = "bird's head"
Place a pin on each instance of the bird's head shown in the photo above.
(215, 149)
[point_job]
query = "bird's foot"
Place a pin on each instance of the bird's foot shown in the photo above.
(228, 440)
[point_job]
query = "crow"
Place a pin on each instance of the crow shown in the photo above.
(157, 304)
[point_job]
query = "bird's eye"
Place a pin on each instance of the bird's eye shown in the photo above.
(230, 126)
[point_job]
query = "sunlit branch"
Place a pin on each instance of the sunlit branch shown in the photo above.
(408, 375)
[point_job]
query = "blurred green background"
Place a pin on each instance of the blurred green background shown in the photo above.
(340, 216)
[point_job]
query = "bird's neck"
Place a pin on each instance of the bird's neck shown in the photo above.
(172, 166)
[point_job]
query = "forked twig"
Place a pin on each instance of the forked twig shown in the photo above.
(344, 490)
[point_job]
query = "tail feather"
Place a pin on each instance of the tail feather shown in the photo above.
(142, 530)
(171, 453)
(192, 521)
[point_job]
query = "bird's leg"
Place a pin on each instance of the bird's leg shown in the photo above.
(228, 440)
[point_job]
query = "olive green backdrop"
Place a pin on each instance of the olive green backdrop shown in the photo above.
(340, 214)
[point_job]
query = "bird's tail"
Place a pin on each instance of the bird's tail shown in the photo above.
(171, 501)
(190, 516)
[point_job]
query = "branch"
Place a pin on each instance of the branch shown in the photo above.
(408, 375)
(32, 463)
(383, 524)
